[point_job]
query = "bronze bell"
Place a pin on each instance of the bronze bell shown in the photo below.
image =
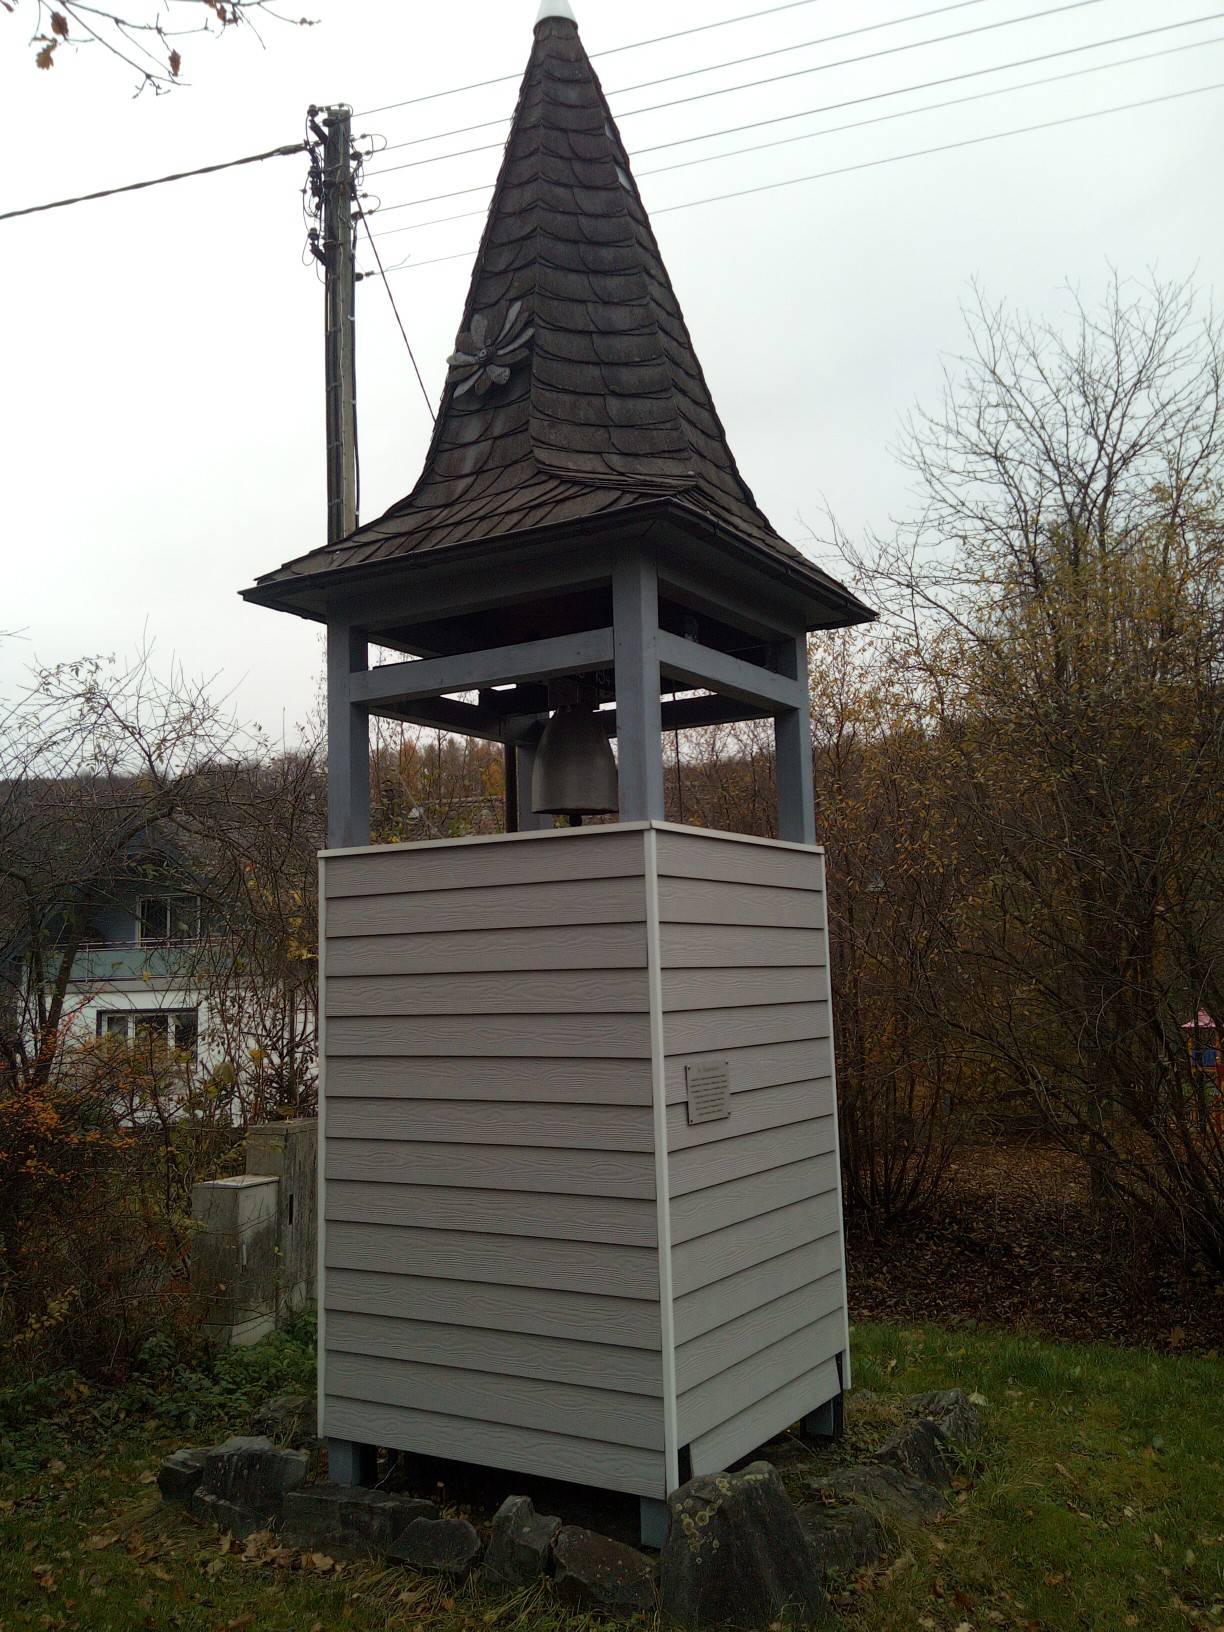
(574, 772)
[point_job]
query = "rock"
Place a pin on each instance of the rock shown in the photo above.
(447, 1546)
(594, 1572)
(736, 1555)
(289, 1419)
(519, 1544)
(842, 1538)
(919, 1450)
(181, 1472)
(350, 1517)
(956, 1417)
(245, 1482)
(894, 1493)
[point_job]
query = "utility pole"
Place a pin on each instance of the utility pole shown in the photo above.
(340, 283)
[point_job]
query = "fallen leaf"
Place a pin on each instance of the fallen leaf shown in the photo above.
(96, 1544)
(147, 1478)
(321, 1562)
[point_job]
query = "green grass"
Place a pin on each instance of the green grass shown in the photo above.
(1096, 1503)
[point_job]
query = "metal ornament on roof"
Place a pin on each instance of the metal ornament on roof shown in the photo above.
(478, 362)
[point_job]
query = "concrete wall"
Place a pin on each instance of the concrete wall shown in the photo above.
(254, 1253)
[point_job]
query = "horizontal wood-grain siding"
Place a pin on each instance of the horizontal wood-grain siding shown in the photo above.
(525, 1402)
(754, 1208)
(450, 1121)
(516, 1354)
(469, 866)
(560, 1080)
(488, 907)
(522, 992)
(563, 946)
(513, 1167)
(615, 1465)
(500, 1212)
(631, 1322)
(505, 1036)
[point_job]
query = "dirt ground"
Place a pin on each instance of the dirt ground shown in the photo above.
(1015, 1244)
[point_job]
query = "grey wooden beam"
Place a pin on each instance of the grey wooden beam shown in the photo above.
(690, 713)
(468, 671)
(729, 676)
(463, 719)
(635, 620)
(348, 740)
(793, 753)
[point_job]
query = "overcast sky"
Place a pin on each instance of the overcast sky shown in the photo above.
(162, 355)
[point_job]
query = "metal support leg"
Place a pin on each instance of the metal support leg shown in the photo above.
(793, 756)
(348, 741)
(655, 1518)
(639, 729)
(828, 1421)
(351, 1463)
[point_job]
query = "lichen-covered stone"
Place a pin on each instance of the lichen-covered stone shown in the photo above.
(594, 1572)
(443, 1546)
(919, 1450)
(842, 1538)
(350, 1517)
(289, 1419)
(736, 1555)
(181, 1472)
(245, 1482)
(952, 1412)
(893, 1493)
(520, 1543)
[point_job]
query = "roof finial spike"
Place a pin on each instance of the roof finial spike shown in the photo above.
(556, 8)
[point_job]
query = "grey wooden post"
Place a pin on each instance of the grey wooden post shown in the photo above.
(793, 754)
(639, 735)
(348, 740)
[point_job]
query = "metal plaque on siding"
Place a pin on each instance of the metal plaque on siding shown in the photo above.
(709, 1090)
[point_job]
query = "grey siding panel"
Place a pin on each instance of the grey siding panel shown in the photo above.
(627, 1322)
(486, 1167)
(750, 1113)
(524, 1402)
(701, 1211)
(551, 1455)
(765, 1065)
(499, 1212)
(713, 988)
(701, 901)
(508, 906)
(583, 1127)
(567, 946)
(760, 1420)
(707, 1031)
(514, 1354)
(735, 1340)
(515, 992)
(755, 1241)
(700, 1166)
(468, 866)
(562, 1266)
(707, 1405)
(721, 1301)
(739, 946)
(555, 1081)
(507, 1036)
(693, 855)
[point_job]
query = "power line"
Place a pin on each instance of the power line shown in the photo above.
(382, 273)
(733, 62)
(610, 51)
(772, 79)
(857, 101)
(157, 181)
(874, 164)
(856, 124)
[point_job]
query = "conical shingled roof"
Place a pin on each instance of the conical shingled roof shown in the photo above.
(574, 389)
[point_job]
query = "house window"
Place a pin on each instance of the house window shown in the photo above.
(165, 919)
(154, 1029)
